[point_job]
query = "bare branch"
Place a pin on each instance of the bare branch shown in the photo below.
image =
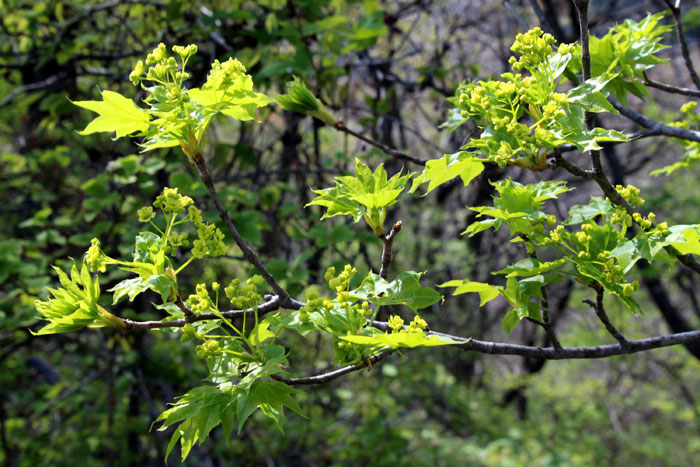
(340, 126)
(655, 128)
(42, 85)
(570, 167)
(271, 305)
(566, 353)
(388, 241)
(285, 300)
(189, 314)
(671, 89)
(330, 376)
(676, 10)
(603, 316)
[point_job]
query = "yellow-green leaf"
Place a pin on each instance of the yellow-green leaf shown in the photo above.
(117, 114)
(487, 292)
(402, 339)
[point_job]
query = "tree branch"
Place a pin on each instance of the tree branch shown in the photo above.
(546, 320)
(671, 89)
(388, 241)
(655, 128)
(285, 300)
(603, 316)
(676, 10)
(330, 376)
(271, 305)
(567, 353)
(340, 126)
(42, 85)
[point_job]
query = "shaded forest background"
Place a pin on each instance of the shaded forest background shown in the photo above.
(385, 68)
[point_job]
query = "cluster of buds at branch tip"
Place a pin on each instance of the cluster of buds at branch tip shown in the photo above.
(299, 99)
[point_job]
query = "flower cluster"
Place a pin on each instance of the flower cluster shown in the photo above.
(620, 216)
(176, 240)
(210, 240)
(188, 333)
(689, 110)
(225, 74)
(418, 324)
(341, 283)
(631, 194)
(247, 295)
(535, 48)
(163, 69)
(555, 107)
(396, 323)
(171, 202)
(208, 349)
(612, 272)
(146, 214)
(313, 304)
(200, 301)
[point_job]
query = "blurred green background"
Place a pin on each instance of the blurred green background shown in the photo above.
(385, 68)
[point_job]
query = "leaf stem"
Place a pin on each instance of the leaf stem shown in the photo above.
(184, 265)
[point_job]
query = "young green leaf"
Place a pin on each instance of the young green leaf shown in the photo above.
(270, 398)
(365, 195)
(487, 292)
(402, 339)
(439, 171)
(404, 290)
(117, 114)
(74, 305)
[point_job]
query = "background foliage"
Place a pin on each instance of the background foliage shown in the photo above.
(386, 68)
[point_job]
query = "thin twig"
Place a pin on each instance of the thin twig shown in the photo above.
(330, 376)
(271, 305)
(676, 10)
(582, 9)
(82, 384)
(189, 314)
(671, 89)
(388, 241)
(546, 319)
(340, 126)
(38, 86)
(603, 316)
(285, 300)
(655, 128)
